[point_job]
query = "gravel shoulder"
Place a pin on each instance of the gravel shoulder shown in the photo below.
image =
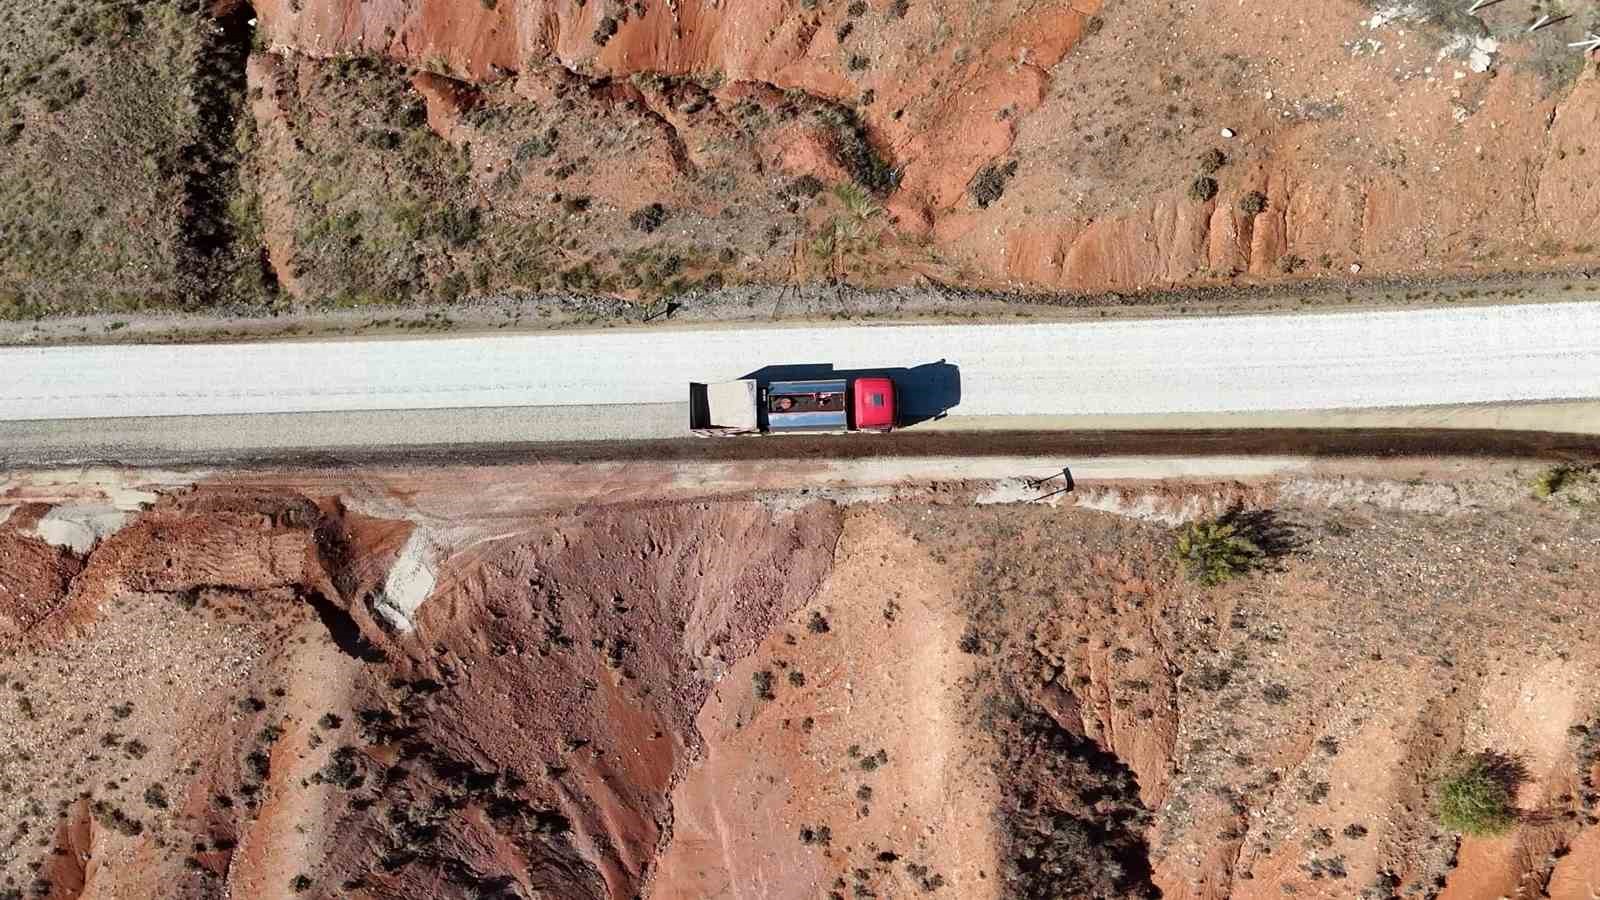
(792, 304)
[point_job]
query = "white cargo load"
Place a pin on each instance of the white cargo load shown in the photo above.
(726, 407)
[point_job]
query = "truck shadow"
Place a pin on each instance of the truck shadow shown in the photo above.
(925, 392)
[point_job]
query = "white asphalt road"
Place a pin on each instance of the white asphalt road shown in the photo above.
(1227, 364)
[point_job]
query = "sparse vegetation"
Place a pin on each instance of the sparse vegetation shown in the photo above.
(1209, 677)
(113, 818)
(872, 762)
(852, 146)
(649, 218)
(926, 878)
(805, 186)
(989, 185)
(342, 770)
(120, 142)
(821, 835)
(1475, 795)
(1202, 189)
(816, 624)
(1072, 816)
(1253, 203)
(762, 680)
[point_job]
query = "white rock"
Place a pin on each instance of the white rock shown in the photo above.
(1355, 268)
(1227, 132)
(411, 579)
(79, 528)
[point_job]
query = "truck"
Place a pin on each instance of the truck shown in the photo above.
(821, 406)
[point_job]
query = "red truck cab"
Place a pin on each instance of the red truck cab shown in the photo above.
(875, 406)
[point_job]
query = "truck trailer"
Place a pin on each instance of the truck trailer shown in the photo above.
(823, 406)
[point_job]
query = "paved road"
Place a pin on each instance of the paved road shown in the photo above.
(582, 382)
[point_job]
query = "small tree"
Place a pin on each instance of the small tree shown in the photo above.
(1213, 552)
(1475, 796)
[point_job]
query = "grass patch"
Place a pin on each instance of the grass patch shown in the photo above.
(1475, 795)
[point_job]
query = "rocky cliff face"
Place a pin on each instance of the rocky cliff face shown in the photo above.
(413, 149)
(1057, 145)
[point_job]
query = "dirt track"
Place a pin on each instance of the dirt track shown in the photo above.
(1066, 446)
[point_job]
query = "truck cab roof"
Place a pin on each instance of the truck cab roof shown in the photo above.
(875, 404)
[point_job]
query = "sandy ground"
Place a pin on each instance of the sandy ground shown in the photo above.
(838, 699)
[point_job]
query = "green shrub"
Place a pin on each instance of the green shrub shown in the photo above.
(1202, 189)
(1213, 552)
(1212, 160)
(1547, 483)
(1475, 797)
(1253, 203)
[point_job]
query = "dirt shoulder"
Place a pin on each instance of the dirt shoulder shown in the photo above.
(791, 304)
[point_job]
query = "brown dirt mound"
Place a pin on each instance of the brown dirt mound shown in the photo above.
(34, 578)
(546, 703)
(522, 740)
